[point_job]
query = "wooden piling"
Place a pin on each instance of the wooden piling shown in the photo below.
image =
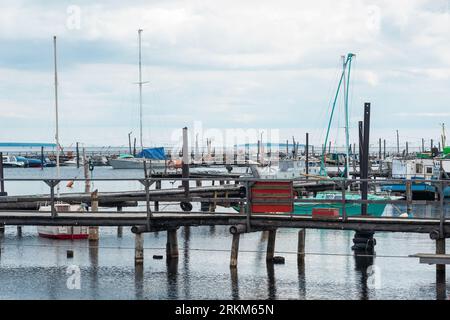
(301, 247)
(93, 231)
(139, 248)
(234, 250)
(271, 245)
(2, 183)
(119, 228)
(440, 268)
(172, 244)
(19, 231)
(157, 187)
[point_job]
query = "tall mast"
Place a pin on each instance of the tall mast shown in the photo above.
(444, 138)
(58, 148)
(140, 90)
(347, 129)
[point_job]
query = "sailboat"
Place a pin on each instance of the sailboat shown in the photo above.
(61, 232)
(154, 159)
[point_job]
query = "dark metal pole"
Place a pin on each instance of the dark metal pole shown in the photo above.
(2, 183)
(42, 158)
(307, 155)
(365, 173)
(398, 144)
(185, 162)
(78, 156)
(384, 148)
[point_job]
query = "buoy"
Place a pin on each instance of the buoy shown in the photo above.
(404, 215)
(278, 260)
(70, 184)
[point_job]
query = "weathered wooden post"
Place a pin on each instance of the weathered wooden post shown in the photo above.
(157, 187)
(78, 156)
(119, 228)
(2, 176)
(42, 158)
(87, 182)
(271, 245)
(301, 247)
(172, 244)
(234, 250)
(408, 197)
(138, 248)
(93, 231)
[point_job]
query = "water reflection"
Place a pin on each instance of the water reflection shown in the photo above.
(362, 263)
(271, 285)
(93, 259)
(441, 287)
(186, 238)
(172, 278)
(139, 281)
(234, 284)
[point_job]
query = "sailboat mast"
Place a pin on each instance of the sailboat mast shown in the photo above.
(347, 156)
(58, 149)
(140, 90)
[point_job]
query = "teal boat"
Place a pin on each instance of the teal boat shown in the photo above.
(352, 209)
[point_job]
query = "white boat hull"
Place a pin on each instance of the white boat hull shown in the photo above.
(63, 232)
(156, 166)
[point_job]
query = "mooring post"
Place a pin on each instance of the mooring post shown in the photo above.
(138, 248)
(307, 155)
(271, 245)
(234, 250)
(440, 268)
(301, 247)
(2, 176)
(93, 231)
(172, 244)
(119, 228)
(42, 158)
(408, 197)
(185, 162)
(78, 155)
(157, 187)
(19, 231)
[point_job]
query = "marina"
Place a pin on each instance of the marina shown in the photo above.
(224, 159)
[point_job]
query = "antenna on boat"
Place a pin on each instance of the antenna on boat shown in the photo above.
(58, 147)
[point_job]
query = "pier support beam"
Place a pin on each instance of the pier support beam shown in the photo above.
(364, 242)
(271, 245)
(301, 248)
(119, 228)
(234, 250)
(2, 229)
(172, 244)
(19, 231)
(93, 231)
(139, 248)
(440, 268)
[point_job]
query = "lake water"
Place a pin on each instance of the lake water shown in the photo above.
(37, 268)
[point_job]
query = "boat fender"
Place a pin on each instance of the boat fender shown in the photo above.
(404, 215)
(91, 165)
(69, 184)
(242, 192)
(186, 206)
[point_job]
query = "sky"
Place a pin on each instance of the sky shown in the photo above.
(267, 67)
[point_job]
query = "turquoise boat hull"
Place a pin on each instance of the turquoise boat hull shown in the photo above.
(351, 209)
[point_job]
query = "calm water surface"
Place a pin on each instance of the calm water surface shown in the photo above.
(36, 268)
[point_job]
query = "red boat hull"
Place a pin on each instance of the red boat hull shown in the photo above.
(64, 236)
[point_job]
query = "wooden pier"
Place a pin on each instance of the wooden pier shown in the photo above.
(237, 193)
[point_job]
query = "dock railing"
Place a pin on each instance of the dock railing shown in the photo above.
(236, 192)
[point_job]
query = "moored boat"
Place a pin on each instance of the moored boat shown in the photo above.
(63, 232)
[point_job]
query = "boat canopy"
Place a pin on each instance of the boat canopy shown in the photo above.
(153, 153)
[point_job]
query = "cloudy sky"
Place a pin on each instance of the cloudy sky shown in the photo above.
(263, 65)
